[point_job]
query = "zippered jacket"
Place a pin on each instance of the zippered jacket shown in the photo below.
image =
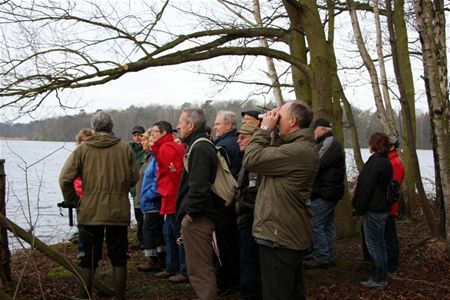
(150, 198)
(108, 170)
(329, 183)
(195, 196)
(282, 209)
(168, 153)
(371, 188)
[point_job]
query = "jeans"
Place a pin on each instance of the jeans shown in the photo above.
(249, 266)
(390, 235)
(90, 244)
(323, 230)
(282, 273)
(374, 227)
(174, 253)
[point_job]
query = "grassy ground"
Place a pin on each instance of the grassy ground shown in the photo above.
(424, 274)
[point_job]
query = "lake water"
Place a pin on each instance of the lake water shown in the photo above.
(32, 189)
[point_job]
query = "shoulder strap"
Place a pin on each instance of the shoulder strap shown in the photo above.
(186, 157)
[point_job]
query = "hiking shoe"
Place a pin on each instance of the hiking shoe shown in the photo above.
(179, 278)
(149, 265)
(314, 264)
(373, 284)
(164, 274)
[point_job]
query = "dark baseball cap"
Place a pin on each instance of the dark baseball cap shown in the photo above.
(253, 113)
(138, 129)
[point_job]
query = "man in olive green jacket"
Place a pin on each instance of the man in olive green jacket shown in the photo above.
(108, 170)
(283, 221)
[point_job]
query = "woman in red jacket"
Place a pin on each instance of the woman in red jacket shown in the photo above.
(390, 233)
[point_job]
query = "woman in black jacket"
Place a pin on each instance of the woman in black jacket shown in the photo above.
(370, 204)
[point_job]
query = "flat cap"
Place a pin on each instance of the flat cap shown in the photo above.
(247, 129)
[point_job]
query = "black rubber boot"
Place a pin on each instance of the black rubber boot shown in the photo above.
(119, 282)
(87, 275)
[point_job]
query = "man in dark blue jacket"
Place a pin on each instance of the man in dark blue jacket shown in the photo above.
(226, 228)
(328, 189)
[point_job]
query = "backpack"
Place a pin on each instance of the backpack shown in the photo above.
(393, 191)
(225, 184)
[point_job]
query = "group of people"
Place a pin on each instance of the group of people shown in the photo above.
(290, 173)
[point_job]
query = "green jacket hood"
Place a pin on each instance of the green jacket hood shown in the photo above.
(102, 140)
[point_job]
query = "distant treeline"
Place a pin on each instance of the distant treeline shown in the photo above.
(65, 128)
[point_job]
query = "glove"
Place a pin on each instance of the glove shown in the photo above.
(67, 204)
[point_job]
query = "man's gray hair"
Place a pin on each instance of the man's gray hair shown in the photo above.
(196, 116)
(302, 112)
(228, 116)
(102, 121)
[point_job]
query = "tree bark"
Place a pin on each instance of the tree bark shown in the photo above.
(388, 127)
(5, 254)
(270, 64)
(298, 49)
(431, 24)
(49, 252)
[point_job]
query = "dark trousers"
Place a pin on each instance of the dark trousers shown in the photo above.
(249, 266)
(153, 232)
(228, 241)
(282, 273)
(139, 223)
(392, 248)
(90, 245)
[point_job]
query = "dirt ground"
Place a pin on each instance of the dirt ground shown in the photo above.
(424, 273)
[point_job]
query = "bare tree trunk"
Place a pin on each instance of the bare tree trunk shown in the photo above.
(49, 252)
(298, 49)
(270, 64)
(402, 67)
(388, 126)
(5, 254)
(306, 13)
(431, 23)
(384, 83)
(352, 128)
(343, 220)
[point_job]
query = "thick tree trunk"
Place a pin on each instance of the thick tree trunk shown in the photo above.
(49, 252)
(297, 48)
(402, 68)
(431, 23)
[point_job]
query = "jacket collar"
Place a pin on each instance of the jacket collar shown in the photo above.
(324, 136)
(199, 133)
(165, 139)
(227, 134)
(305, 134)
(393, 154)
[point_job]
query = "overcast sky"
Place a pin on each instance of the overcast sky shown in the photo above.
(176, 85)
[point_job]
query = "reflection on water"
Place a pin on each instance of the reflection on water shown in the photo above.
(32, 190)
